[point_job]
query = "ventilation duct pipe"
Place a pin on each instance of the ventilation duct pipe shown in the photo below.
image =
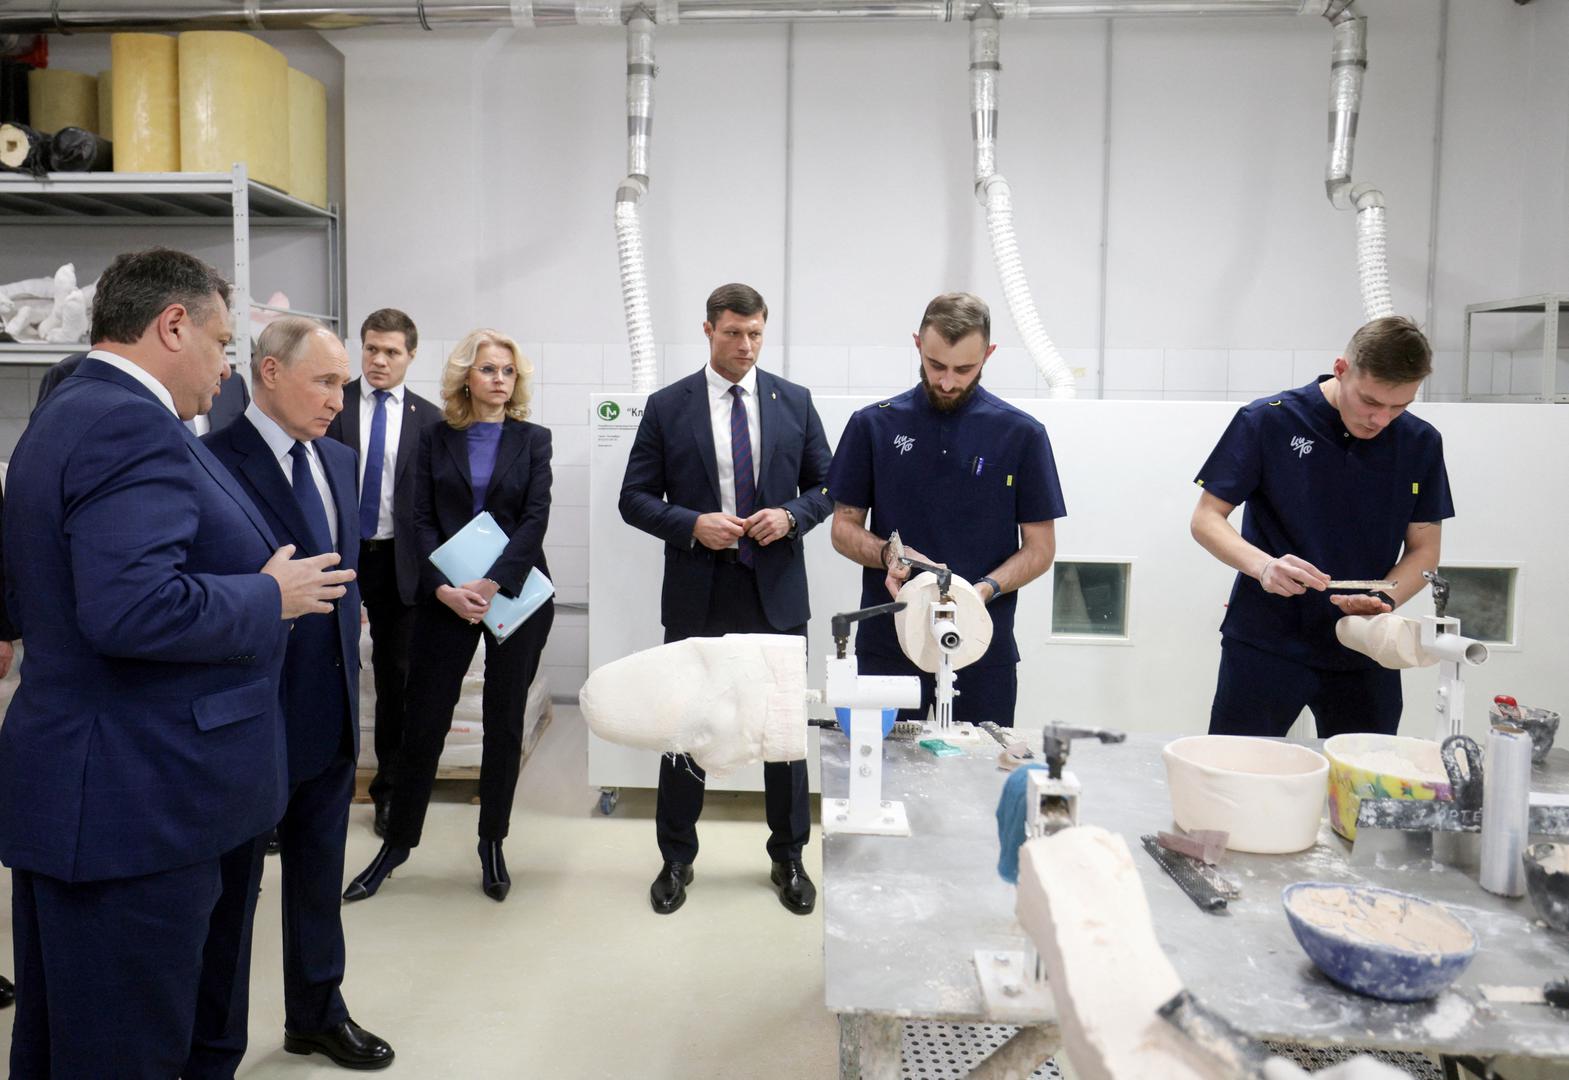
(991, 188)
(102, 16)
(629, 226)
(1348, 65)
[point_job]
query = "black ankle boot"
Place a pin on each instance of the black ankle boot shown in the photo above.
(380, 869)
(494, 867)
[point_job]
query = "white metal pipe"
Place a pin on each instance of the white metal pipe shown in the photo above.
(991, 188)
(101, 16)
(629, 226)
(1348, 66)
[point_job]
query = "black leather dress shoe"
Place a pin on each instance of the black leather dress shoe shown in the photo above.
(796, 890)
(669, 889)
(274, 845)
(7, 993)
(383, 811)
(348, 1045)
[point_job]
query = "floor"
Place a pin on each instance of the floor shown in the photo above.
(573, 976)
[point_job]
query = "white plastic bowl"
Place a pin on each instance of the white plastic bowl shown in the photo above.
(1268, 795)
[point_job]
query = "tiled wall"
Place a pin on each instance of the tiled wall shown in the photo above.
(565, 374)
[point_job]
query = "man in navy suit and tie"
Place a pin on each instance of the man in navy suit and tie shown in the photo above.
(381, 422)
(305, 487)
(728, 470)
(145, 740)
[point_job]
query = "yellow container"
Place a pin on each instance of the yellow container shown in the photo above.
(60, 99)
(1380, 767)
(307, 138)
(145, 76)
(106, 105)
(234, 105)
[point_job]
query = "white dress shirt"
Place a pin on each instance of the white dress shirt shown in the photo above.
(720, 402)
(389, 460)
(280, 442)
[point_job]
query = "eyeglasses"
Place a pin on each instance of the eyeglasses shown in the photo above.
(490, 371)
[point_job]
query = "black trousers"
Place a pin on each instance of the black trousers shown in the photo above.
(311, 838)
(107, 971)
(1259, 693)
(391, 630)
(442, 647)
(733, 608)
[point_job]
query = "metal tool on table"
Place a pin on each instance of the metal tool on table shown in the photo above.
(1012, 745)
(1204, 884)
(1245, 1058)
(862, 702)
(1397, 831)
(1013, 982)
(942, 623)
(1364, 586)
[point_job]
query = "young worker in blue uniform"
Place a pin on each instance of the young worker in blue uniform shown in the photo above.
(1340, 482)
(968, 481)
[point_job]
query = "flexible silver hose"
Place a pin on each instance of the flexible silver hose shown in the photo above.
(629, 225)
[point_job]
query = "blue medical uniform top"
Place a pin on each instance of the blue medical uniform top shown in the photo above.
(1314, 490)
(956, 486)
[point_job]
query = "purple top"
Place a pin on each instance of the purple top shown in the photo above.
(483, 442)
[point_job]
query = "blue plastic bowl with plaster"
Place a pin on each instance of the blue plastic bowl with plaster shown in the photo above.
(1386, 944)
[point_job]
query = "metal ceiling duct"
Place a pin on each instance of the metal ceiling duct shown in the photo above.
(629, 225)
(1348, 66)
(101, 16)
(992, 189)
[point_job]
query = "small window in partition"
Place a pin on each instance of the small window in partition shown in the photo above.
(1090, 598)
(1483, 599)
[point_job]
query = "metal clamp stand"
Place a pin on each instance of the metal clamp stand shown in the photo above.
(1013, 983)
(942, 624)
(1441, 637)
(861, 701)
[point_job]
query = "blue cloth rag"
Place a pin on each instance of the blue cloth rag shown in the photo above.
(1012, 814)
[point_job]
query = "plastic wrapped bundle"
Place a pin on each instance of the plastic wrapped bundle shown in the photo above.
(14, 106)
(74, 149)
(234, 105)
(23, 150)
(61, 99)
(307, 138)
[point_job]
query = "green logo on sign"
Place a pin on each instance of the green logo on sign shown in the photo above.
(609, 410)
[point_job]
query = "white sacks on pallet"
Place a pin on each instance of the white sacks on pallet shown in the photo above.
(728, 701)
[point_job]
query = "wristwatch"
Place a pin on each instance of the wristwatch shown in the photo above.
(1385, 597)
(996, 591)
(791, 519)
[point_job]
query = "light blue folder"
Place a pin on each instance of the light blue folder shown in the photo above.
(470, 554)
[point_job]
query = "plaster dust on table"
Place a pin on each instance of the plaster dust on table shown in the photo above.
(1451, 1013)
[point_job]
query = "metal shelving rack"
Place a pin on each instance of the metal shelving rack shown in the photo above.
(182, 199)
(1548, 305)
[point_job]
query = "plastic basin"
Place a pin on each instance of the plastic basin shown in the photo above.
(1266, 794)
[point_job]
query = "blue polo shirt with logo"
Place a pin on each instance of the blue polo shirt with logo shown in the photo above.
(956, 485)
(1312, 489)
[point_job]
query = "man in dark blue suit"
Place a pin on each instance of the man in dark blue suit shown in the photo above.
(145, 740)
(728, 470)
(227, 407)
(306, 488)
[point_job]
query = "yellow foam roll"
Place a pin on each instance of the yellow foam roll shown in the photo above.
(307, 138)
(234, 105)
(106, 105)
(145, 77)
(62, 99)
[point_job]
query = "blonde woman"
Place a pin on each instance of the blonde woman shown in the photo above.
(486, 456)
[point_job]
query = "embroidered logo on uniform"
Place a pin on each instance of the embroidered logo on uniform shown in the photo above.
(1303, 446)
(904, 444)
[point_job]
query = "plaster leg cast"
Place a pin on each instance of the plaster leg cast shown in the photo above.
(727, 701)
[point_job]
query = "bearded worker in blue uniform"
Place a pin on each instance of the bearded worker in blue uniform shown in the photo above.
(968, 481)
(1339, 482)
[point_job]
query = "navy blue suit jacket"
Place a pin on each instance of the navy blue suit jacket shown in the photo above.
(146, 733)
(672, 477)
(518, 498)
(227, 407)
(321, 673)
(417, 415)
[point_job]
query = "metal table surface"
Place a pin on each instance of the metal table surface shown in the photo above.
(904, 916)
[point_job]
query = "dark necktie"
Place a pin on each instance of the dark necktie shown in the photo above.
(309, 497)
(375, 455)
(741, 457)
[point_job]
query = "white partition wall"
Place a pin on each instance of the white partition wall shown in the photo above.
(1127, 472)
